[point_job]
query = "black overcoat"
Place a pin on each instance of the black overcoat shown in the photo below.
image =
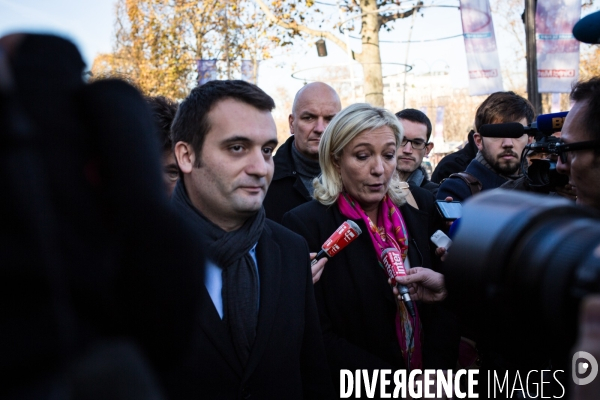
(356, 304)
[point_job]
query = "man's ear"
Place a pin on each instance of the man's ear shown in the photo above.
(478, 140)
(291, 122)
(530, 139)
(186, 157)
(428, 148)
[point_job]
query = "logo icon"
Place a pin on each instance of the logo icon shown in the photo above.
(584, 363)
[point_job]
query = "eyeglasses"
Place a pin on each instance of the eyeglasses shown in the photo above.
(563, 149)
(417, 144)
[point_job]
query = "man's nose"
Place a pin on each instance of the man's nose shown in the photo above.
(561, 167)
(257, 165)
(320, 126)
(507, 142)
(407, 148)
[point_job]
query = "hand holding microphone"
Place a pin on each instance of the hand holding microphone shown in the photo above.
(394, 266)
(424, 284)
(342, 237)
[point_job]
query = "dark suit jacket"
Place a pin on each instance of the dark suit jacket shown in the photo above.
(286, 190)
(288, 358)
(356, 304)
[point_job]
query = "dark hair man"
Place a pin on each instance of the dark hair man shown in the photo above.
(259, 331)
(580, 155)
(415, 146)
(498, 159)
(163, 112)
(297, 160)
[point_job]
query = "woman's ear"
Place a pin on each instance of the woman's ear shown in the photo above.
(336, 162)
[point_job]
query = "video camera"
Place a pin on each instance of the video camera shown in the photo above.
(519, 266)
(543, 153)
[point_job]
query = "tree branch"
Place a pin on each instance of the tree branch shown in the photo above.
(296, 28)
(384, 19)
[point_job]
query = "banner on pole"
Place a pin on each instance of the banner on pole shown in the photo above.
(557, 49)
(249, 70)
(555, 105)
(480, 45)
(207, 71)
(439, 123)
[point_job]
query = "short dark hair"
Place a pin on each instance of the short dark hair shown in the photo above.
(163, 112)
(191, 124)
(501, 107)
(410, 114)
(589, 91)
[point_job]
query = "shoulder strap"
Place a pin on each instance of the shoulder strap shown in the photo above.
(470, 180)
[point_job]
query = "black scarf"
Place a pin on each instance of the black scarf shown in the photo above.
(230, 252)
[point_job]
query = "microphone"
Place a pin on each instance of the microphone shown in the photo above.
(512, 130)
(587, 30)
(342, 237)
(550, 123)
(546, 124)
(394, 266)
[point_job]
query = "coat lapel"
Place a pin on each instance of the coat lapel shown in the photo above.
(217, 332)
(299, 186)
(268, 257)
(417, 222)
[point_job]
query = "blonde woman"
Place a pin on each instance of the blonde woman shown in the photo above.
(364, 326)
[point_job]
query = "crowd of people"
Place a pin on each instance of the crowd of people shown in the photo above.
(203, 283)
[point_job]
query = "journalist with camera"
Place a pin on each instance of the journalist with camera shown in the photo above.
(521, 264)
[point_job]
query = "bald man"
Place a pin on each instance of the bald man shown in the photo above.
(297, 160)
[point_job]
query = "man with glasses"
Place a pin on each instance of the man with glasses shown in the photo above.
(579, 152)
(498, 159)
(415, 146)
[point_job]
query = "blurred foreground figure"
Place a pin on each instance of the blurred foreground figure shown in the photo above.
(96, 275)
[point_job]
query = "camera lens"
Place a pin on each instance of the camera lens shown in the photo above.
(521, 263)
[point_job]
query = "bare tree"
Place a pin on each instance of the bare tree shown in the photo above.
(365, 17)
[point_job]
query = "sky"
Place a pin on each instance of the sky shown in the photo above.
(90, 24)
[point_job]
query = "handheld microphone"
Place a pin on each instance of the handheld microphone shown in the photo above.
(342, 237)
(394, 266)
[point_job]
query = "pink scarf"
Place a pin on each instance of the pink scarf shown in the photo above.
(390, 231)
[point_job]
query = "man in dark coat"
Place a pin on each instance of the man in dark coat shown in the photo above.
(415, 146)
(258, 333)
(498, 159)
(297, 160)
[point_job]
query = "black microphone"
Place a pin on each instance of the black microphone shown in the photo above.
(510, 130)
(587, 30)
(546, 124)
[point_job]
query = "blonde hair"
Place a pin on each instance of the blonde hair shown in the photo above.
(345, 126)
